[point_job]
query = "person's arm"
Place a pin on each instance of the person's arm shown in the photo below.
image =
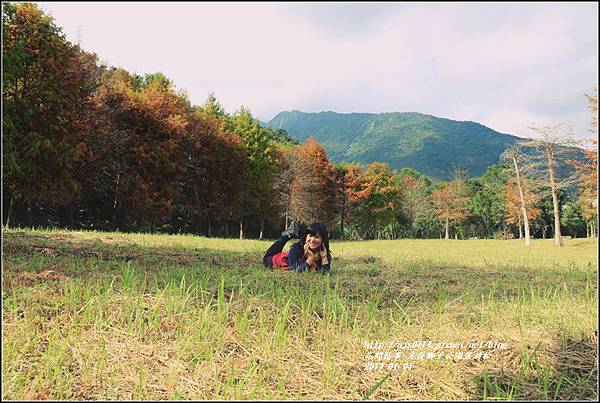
(304, 266)
(295, 258)
(325, 261)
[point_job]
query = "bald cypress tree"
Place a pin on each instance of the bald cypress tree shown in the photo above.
(549, 151)
(46, 82)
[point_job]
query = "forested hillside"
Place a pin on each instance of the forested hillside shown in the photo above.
(426, 143)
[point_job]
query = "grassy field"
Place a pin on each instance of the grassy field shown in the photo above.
(90, 315)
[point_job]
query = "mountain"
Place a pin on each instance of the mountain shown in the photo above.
(426, 143)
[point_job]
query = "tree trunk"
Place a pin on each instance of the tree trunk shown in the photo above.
(241, 229)
(10, 207)
(226, 229)
(30, 213)
(287, 215)
(557, 236)
(342, 227)
(209, 232)
(485, 223)
(116, 190)
(116, 215)
(447, 225)
(262, 228)
(71, 216)
(522, 198)
(520, 229)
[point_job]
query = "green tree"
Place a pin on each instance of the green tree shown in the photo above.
(572, 219)
(280, 136)
(213, 107)
(260, 175)
(543, 225)
(487, 201)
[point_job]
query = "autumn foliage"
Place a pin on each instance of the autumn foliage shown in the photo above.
(46, 81)
(514, 215)
(588, 170)
(450, 203)
(97, 147)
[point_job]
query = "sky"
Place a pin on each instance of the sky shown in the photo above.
(504, 65)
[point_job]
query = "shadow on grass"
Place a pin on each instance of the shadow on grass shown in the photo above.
(567, 370)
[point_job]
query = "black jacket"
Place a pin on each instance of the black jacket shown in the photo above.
(297, 261)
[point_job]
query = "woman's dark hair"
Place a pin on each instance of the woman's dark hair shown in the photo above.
(314, 229)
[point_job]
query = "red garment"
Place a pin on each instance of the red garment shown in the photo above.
(280, 261)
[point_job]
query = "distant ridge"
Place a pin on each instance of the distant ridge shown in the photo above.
(429, 144)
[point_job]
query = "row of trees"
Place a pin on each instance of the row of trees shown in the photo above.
(550, 148)
(96, 147)
(542, 170)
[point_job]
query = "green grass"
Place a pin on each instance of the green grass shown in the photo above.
(91, 315)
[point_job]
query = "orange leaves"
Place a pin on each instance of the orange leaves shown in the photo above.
(450, 201)
(513, 203)
(408, 181)
(315, 156)
(313, 188)
(137, 125)
(373, 196)
(351, 184)
(587, 170)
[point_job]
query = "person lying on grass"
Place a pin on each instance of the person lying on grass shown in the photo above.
(310, 253)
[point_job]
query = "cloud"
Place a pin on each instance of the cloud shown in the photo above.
(501, 64)
(346, 19)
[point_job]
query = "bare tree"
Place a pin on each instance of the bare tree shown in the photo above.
(587, 169)
(459, 174)
(552, 146)
(513, 154)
